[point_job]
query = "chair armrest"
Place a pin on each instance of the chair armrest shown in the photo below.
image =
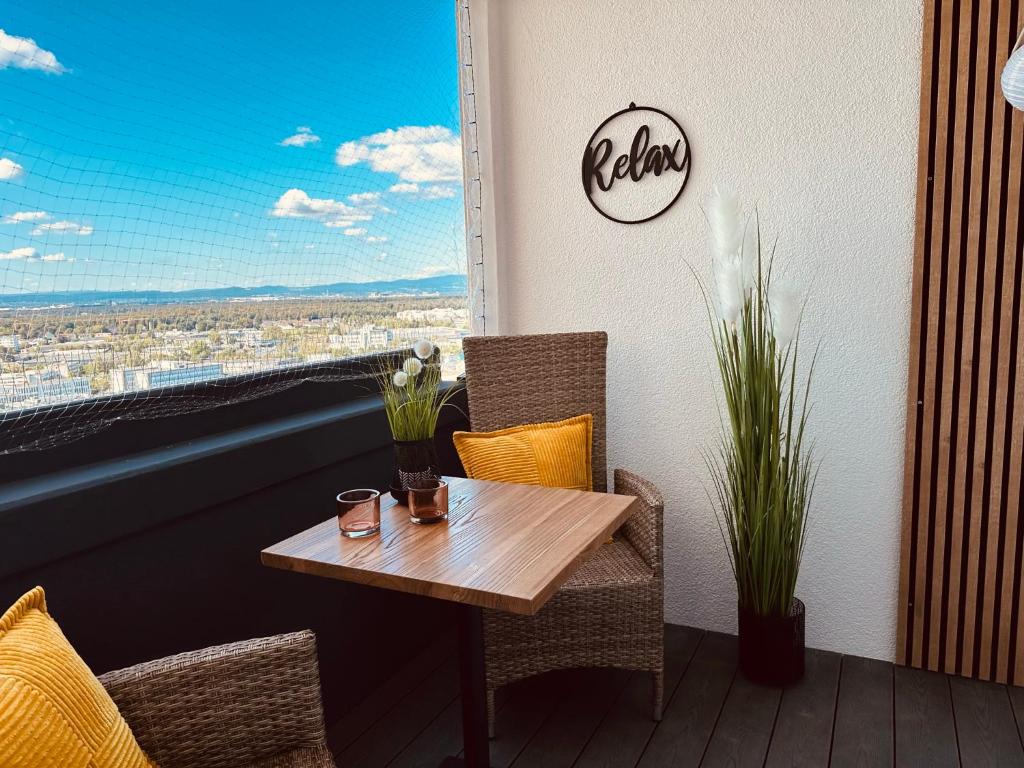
(224, 706)
(644, 529)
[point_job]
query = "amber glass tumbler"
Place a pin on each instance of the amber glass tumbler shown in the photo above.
(359, 512)
(428, 501)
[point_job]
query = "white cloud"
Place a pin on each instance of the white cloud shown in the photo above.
(364, 197)
(433, 192)
(19, 216)
(351, 152)
(31, 254)
(18, 253)
(437, 192)
(355, 232)
(24, 53)
(9, 169)
(296, 204)
(303, 135)
(411, 134)
(377, 239)
(413, 153)
(63, 227)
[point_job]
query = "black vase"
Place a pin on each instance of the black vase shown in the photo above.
(414, 460)
(772, 647)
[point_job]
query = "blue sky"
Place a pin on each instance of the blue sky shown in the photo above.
(194, 144)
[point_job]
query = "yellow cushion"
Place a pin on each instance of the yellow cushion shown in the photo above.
(554, 453)
(53, 710)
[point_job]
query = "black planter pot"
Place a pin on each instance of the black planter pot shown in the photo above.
(772, 647)
(414, 460)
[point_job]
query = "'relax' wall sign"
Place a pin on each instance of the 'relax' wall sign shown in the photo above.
(636, 165)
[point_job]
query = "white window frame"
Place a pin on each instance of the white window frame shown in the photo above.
(481, 257)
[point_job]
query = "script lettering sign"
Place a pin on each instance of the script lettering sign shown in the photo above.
(636, 165)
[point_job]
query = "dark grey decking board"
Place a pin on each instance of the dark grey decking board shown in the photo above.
(441, 738)
(744, 727)
(685, 730)
(847, 711)
(862, 736)
(803, 729)
(391, 690)
(529, 704)
(924, 727)
(623, 735)
(985, 725)
(1017, 702)
(564, 735)
(382, 742)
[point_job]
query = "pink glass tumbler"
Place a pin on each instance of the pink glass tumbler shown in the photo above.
(359, 512)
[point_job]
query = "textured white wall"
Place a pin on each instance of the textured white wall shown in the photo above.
(808, 109)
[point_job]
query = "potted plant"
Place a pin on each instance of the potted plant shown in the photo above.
(413, 400)
(762, 471)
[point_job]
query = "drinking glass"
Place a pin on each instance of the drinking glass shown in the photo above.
(428, 501)
(359, 512)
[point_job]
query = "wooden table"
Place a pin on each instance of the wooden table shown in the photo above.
(505, 546)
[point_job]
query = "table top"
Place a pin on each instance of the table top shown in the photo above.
(504, 546)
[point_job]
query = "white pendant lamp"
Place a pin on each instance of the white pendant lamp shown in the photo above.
(1013, 75)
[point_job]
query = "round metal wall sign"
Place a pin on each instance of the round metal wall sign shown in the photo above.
(636, 165)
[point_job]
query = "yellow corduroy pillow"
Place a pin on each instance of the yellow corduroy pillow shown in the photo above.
(554, 453)
(53, 710)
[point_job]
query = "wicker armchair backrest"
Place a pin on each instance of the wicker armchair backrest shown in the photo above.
(232, 705)
(512, 380)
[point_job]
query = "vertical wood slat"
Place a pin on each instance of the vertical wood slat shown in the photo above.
(980, 361)
(961, 557)
(1013, 460)
(958, 282)
(1001, 313)
(963, 332)
(922, 317)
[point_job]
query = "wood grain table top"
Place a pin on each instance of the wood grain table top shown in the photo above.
(504, 546)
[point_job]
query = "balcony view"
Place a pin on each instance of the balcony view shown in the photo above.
(195, 218)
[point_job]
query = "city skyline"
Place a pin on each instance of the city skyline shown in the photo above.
(134, 155)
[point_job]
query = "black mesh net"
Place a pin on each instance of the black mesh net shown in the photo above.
(205, 202)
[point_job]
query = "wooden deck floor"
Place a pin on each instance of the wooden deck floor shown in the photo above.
(848, 711)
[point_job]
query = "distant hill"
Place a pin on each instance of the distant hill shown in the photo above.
(444, 285)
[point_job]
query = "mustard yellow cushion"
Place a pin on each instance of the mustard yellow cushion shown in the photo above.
(554, 453)
(53, 710)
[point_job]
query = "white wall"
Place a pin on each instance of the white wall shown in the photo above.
(808, 109)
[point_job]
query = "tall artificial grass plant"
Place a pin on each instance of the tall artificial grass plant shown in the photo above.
(762, 469)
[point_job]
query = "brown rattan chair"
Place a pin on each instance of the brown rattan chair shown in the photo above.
(254, 704)
(610, 613)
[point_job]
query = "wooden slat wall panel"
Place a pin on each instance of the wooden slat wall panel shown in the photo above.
(963, 532)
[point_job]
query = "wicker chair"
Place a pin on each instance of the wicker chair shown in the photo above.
(254, 704)
(610, 613)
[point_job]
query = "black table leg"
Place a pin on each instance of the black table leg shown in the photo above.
(476, 750)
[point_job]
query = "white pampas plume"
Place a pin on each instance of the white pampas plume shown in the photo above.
(725, 217)
(729, 290)
(784, 306)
